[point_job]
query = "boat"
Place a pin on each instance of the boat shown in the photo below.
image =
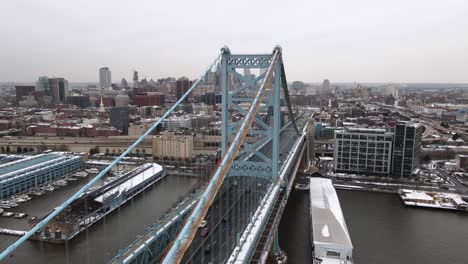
(92, 171)
(7, 214)
(80, 174)
(60, 183)
(18, 199)
(301, 187)
(7, 204)
(19, 215)
(48, 188)
(70, 179)
(1, 210)
(37, 192)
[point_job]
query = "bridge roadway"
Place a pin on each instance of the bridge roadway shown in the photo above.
(231, 211)
(227, 217)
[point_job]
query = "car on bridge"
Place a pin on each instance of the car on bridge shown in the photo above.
(203, 224)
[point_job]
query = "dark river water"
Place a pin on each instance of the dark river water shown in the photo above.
(383, 230)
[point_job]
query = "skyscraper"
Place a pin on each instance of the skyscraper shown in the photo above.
(182, 86)
(407, 148)
(63, 89)
(326, 86)
(105, 81)
(135, 79)
(54, 90)
(123, 83)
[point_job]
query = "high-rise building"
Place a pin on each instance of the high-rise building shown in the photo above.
(54, 90)
(123, 83)
(407, 148)
(326, 86)
(363, 150)
(105, 81)
(22, 91)
(119, 118)
(63, 89)
(135, 79)
(42, 85)
(182, 86)
(121, 100)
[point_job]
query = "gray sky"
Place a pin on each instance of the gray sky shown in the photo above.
(342, 40)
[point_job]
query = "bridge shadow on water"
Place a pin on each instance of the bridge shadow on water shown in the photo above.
(294, 229)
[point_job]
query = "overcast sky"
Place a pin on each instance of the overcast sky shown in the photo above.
(342, 40)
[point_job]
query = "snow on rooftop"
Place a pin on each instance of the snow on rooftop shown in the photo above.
(416, 195)
(131, 182)
(328, 223)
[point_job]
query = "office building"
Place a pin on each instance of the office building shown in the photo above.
(121, 100)
(363, 151)
(182, 86)
(79, 100)
(119, 118)
(27, 173)
(135, 79)
(23, 91)
(63, 90)
(407, 148)
(326, 86)
(123, 83)
(42, 85)
(105, 80)
(54, 90)
(171, 145)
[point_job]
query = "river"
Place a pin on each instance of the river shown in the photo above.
(382, 229)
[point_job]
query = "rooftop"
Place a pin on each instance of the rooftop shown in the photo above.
(26, 162)
(328, 223)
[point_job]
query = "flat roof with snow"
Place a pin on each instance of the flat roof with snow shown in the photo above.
(330, 234)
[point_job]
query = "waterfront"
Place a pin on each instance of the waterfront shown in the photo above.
(382, 230)
(102, 241)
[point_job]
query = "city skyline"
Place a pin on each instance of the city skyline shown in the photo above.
(343, 42)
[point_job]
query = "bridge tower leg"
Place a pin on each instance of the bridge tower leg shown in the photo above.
(238, 90)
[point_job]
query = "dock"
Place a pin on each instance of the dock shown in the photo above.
(12, 232)
(433, 199)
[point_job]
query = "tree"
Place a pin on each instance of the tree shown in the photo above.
(61, 147)
(425, 159)
(94, 150)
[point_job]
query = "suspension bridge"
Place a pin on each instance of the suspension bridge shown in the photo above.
(234, 218)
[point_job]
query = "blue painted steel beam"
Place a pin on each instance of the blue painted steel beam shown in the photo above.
(59, 209)
(185, 237)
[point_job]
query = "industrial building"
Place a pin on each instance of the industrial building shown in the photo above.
(363, 150)
(330, 237)
(27, 173)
